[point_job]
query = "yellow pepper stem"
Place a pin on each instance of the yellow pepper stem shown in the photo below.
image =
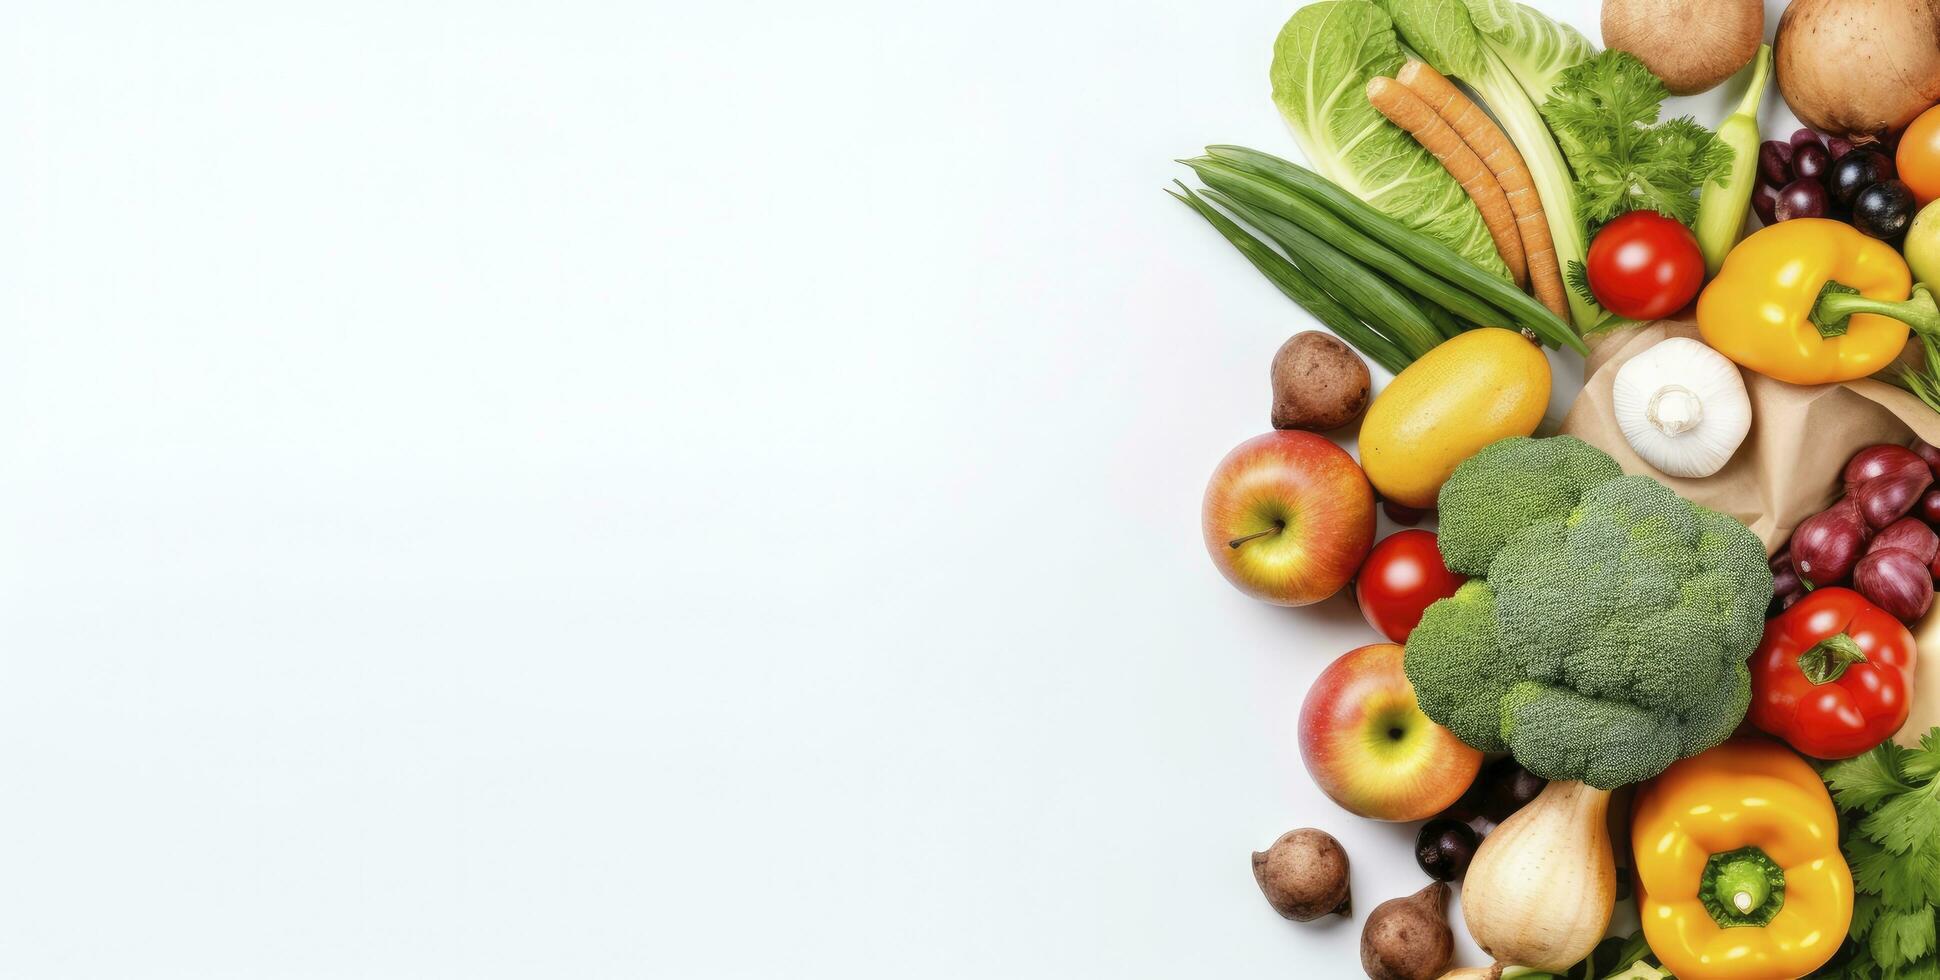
(1838, 302)
(1742, 888)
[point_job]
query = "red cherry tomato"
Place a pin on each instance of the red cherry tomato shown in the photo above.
(1645, 266)
(1402, 576)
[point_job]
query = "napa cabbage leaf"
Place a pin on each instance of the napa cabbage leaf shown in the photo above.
(1534, 48)
(1322, 62)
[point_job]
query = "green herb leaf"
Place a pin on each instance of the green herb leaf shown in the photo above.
(1905, 823)
(1865, 910)
(1898, 938)
(1892, 844)
(1870, 864)
(1923, 763)
(1926, 969)
(1604, 113)
(1860, 783)
(1578, 277)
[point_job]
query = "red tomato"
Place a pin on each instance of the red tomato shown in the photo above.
(1402, 576)
(1831, 675)
(1918, 158)
(1645, 266)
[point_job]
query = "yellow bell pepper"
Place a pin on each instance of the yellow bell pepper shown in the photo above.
(1739, 875)
(1813, 301)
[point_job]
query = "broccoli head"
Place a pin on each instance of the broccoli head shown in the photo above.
(1605, 634)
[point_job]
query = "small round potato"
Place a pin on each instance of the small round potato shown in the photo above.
(1319, 383)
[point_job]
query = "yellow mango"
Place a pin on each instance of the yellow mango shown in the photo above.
(1481, 386)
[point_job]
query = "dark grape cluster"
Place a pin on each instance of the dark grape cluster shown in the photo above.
(1808, 176)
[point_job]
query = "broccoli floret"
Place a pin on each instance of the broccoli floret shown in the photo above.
(1509, 485)
(1461, 647)
(1606, 634)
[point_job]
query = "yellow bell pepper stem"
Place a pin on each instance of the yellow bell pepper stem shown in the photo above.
(1743, 888)
(1838, 302)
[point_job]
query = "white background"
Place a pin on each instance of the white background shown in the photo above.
(587, 489)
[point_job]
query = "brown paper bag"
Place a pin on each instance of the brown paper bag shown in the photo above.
(1789, 467)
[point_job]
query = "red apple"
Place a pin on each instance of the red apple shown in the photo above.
(1288, 517)
(1369, 746)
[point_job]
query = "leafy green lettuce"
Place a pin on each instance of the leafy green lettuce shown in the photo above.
(1322, 62)
(1534, 48)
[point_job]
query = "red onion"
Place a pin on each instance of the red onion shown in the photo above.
(1877, 461)
(1928, 452)
(1895, 580)
(1929, 509)
(1825, 545)
(1886, 498)
(1909, 533)
(1785, 582)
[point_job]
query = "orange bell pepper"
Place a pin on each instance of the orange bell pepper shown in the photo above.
(1739, 874)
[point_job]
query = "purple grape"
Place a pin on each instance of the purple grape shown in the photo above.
(1763, 200)
(1802, 198)
(1883, 210)
(1775, 162)
(1838, 146)
(1810, 161)
(1803, 136)
(1855, 172)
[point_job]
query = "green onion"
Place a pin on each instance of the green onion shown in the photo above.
(1357, 288)
(1269, 195)
(1438, 258)
(1299, 288)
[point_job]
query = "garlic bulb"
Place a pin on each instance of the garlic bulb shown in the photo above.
(1682, 407)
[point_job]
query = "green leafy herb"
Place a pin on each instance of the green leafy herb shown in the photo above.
(1892, 803)
(1604, 113)
(1578, 278)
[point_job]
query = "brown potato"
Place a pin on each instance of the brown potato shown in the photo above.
(1319, 383)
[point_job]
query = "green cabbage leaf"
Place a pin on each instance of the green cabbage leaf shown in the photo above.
(1322, 62)
(1534, 48)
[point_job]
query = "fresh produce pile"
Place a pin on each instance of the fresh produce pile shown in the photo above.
(1591, 690)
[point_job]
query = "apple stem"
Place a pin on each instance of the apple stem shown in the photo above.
(1277, 527)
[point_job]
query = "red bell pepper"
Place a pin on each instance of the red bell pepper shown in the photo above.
(1832, 675)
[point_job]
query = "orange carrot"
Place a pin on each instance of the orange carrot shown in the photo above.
(1500, 156)
(1406, 110)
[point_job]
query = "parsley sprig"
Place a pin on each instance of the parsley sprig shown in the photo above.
(1604, 114)
(1892, 803)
